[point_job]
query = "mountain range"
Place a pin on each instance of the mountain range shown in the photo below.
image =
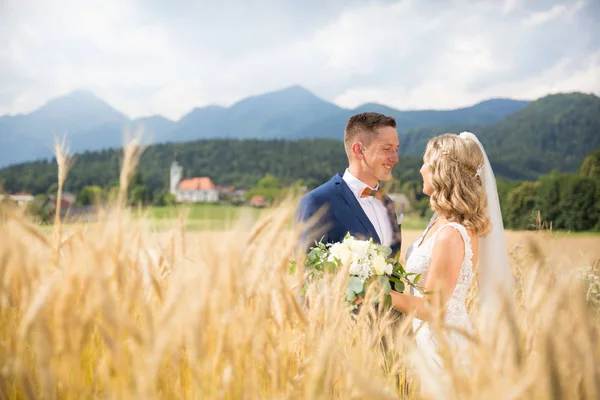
(523, 139)
(292, 113)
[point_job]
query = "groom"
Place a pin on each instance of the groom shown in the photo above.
(354, 201)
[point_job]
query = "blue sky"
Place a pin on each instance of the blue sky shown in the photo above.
(158, 57)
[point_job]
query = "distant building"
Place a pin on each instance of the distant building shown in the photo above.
(225, 192)
(19, 198)
(239, 195)
(191, 190)
(401, 202)
(257, 201)
(69, 198)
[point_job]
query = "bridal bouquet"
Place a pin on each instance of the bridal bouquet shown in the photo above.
(367, 263)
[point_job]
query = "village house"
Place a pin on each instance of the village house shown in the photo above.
(239, 195)
(257, 201)
(19, 198)
(225, 192)
(192, 190)
(401, 202)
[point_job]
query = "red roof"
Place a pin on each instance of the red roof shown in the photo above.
(63, 202)
(257, 201)
(203, 183)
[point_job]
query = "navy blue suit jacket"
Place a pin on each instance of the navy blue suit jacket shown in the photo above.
(339, 213)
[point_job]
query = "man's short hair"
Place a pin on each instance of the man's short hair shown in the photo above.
(364, 127)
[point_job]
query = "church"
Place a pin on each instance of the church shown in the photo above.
(191, 190)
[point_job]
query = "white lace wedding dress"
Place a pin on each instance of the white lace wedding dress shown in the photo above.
(419, 258)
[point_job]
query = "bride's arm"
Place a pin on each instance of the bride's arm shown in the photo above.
(446, 259)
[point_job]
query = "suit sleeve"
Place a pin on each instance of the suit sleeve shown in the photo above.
(306, 209)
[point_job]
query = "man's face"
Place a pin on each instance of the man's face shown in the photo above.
(381, 154)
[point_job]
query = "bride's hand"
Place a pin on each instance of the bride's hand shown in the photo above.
(395, 294)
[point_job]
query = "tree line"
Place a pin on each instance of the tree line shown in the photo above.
(269, 168)
(567, 201)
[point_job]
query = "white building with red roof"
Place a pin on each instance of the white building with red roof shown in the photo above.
(19, 198)
(191, 190)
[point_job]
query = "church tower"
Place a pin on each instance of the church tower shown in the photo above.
(176, 175)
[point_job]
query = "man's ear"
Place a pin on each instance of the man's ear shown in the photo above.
(357, 150)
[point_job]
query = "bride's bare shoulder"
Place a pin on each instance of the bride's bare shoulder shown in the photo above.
(448, 237)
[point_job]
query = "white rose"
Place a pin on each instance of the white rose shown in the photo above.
(361, 269)
(355, 269)
(389, 269)
(379, 265)
(342, 253)
(360, 248)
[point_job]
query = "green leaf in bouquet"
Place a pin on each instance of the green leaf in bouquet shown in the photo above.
(417, 279)
(386, 251)
(399, 286)
(292, 268)
(384, 284)
(396, 259)
(350, 294)
(354, 284)
(387, 301)
(398, 270)
(330, 266)
(314, 255)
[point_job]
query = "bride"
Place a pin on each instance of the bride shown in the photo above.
(466, 230)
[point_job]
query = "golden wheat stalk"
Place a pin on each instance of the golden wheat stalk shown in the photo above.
(64, 162)
(132, 152)
(128, 315)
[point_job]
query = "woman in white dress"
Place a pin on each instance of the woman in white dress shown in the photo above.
(467, 224)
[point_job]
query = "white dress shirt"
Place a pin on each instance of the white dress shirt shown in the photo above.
(374, 208)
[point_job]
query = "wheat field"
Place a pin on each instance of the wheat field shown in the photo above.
(116, 310)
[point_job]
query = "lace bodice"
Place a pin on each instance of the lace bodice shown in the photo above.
(419, 258)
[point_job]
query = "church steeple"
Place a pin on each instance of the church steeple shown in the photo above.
(176, 175)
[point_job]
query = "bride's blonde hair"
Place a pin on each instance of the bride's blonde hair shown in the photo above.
(458, 194)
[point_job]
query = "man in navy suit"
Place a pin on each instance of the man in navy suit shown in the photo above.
(354, 201)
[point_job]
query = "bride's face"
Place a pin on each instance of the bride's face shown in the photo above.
(426, 174)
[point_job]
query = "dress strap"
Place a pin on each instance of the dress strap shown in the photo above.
(419, 242)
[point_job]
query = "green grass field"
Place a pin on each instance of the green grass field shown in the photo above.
(201, 217)
(216, 217)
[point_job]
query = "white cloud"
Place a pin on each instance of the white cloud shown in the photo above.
(558, 78)
(158, 58)
(557, 11)
(546, 16)
(510, 6)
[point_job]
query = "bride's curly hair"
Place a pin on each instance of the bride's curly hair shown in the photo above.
(458, 193)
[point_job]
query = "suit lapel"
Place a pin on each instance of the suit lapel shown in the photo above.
(349, 197)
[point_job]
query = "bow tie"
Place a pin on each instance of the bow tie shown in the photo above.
(378, 193)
